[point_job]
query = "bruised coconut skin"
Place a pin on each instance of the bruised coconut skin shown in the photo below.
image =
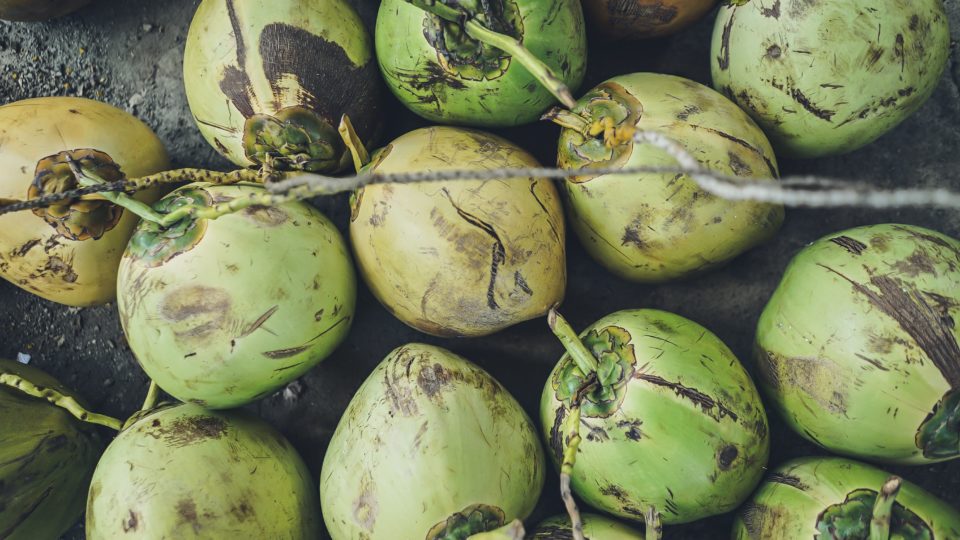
(37, 10)
(824, 78)
(595, 527)
(640, 19)
(684, 431)
(857, 347)
(286, 70)
(446, 87)
(46, 460)
(75, 264)
(184, 472)
(799, 498)
(459, 258)
(660, 227)
(222, 312)
(428, 443)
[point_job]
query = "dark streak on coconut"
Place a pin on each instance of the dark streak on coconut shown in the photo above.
(727, 456)
(723, 61)
(905, 304)
(187, 512)
(556, 432)
(793, 481)
(772, 12)
(705, 402)
(855, 247)
(498, 253)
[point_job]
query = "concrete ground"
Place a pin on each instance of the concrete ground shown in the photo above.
(129, 52)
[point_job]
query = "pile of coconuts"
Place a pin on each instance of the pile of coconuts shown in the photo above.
(641, 421)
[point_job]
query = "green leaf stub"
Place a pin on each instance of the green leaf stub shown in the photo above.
(293, 139)
(850, 520)
(616, 365)
(476, 518)
(939, 434)
(466, 57)
(153, 245)
(607, 101)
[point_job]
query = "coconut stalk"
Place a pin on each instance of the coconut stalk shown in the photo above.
(589, 366)
(883, 509)
(59, 399)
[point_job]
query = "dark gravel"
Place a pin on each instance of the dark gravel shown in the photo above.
(129, 52)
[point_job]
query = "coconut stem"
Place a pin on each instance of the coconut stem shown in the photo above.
(511, 531)
(568, 119)
(566, 470)
(153, 393)
(202, 175)
(353, 143)
(571, 342)
(60, 400)
(883, 508)
(507, 44)
(88, 178)
(653, 529)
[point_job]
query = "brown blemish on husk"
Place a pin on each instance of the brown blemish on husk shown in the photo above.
(187, 513)
(855, 247)
(242, 511)
(201, 309)
(188, 430)
(762, 521)
(497, 251)
(556, 432)
(640, 17)
(631, 429)
(131, 522)
(773, 11)
(815, 377)
(909, 307)
(24, 248)
(235, 82)
(365, 508)
(267, 216)
(789, 480)
(357, 92)
(918, 262)
(727, 456)
(723, 61)
(705, 402)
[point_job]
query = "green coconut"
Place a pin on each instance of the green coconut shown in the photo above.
(223, 312)
(430, 447)
(657, 416)
(439, 71)
(267, 82)
(659, 227)
(185, 472)
(47, 457)
(461, 257)
(824, 78)
(842, 500)
(858, 346)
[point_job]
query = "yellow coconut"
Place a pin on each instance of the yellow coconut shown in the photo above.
(69, 253)
(465, 257)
